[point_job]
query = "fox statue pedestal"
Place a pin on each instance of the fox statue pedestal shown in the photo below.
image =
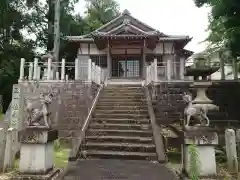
(36, 154)
(204, 140)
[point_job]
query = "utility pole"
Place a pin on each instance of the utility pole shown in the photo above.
(56, 46)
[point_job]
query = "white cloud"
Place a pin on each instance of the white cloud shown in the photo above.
(173, 17)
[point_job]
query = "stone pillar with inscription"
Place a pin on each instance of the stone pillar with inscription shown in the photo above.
(16, 123)
(17, 107)
(36, 154)
(205, 140)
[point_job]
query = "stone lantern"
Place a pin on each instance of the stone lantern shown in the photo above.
(201, 136)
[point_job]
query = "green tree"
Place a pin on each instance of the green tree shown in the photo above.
(99, 12)
(12, 45)
(37, 18)
(224, 24)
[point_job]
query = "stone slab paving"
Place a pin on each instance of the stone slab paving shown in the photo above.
(106, 169)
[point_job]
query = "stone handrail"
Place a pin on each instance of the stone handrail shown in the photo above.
(158, 139)
(77, 143)
(48, 71)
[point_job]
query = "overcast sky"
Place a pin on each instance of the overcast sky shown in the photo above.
(173, 17)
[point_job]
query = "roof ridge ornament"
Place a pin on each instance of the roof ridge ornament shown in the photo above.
(125, 12)
(126, 22)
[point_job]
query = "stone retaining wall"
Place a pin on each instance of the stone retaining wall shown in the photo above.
(169, 106)
(69, 107)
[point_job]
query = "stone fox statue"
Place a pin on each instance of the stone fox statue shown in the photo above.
(196, 111)
(36, 115)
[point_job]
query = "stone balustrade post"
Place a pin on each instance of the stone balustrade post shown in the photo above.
(222, 68)
(49, 69)
(9, 155)
(155, 70)
(30, 73)
(231, 150)
(63, 70)
(147, 72)
(38, 73)
(93, 72)
(90, 70)
(22, 69)
(57, 75)
(2, 147)
(182, 68)
(151, 72)
(35, 69)
(234, 67)
(169, 70)
(99, 74)
(67, 77)
(77, 69)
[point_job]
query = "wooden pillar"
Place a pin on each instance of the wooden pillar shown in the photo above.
(109, 62)
(144, 63)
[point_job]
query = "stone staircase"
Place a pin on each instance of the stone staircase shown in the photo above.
(120, 127)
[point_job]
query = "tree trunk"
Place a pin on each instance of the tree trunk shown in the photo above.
(50, 17)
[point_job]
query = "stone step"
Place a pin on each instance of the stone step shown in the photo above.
(127, 147)
(121, 103)
(117, 97)
(119, 139)
(131, 93)
(123, 121)
(123, 87)
(120, 107)
(120, 126)
(109, 132)
(116, 90)
(119, 155)
(117, 116)
(123, 99)
(134, 110)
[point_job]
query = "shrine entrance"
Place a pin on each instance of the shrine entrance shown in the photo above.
(126, 66)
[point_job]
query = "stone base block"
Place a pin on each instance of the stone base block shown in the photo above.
(36, 154)
(205, 140)
(36, 158)
(207, 160)
(48, 176)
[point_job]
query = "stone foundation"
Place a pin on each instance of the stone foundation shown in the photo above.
(36, 154)
(205, 139)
